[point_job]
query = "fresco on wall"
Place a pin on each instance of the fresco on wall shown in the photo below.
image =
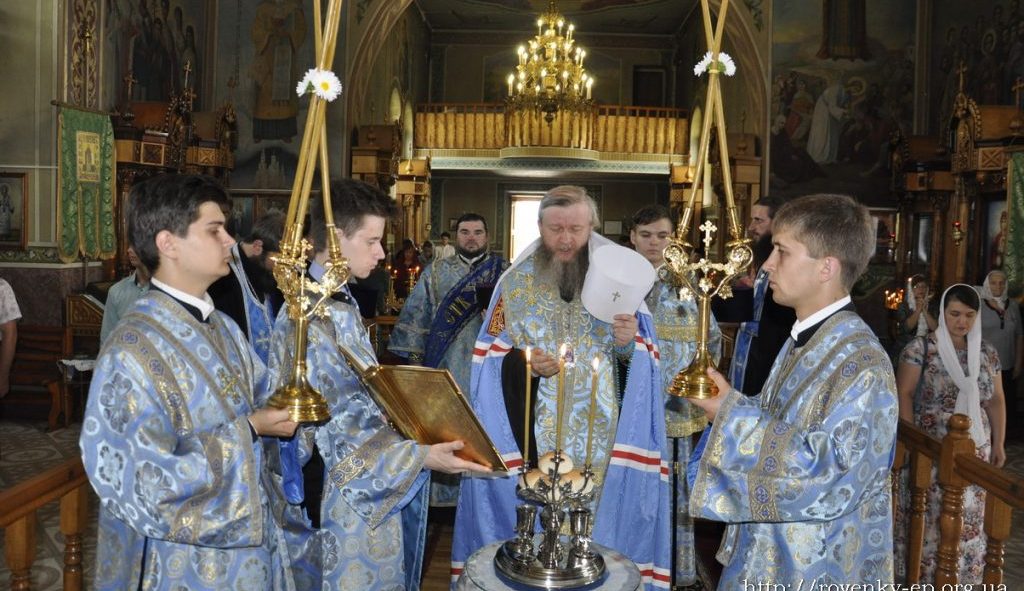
(263, 49)
(153, 40)
(842, 82)
(988, 38)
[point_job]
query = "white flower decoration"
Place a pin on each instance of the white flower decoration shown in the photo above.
(323, 83)
(725, 63)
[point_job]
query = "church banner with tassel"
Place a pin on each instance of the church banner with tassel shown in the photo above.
(86, 186)
(1013, 258)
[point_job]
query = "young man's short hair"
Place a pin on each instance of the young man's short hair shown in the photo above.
(470, 217)
(650, 214)
(167, 202)
(351, 202)
(831, 225)
(446, 235)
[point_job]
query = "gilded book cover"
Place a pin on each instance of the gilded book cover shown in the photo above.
(426, 405)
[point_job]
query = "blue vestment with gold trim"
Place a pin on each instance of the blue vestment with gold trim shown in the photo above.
(373, 513)
(630, 458)
(800, 472)
(167, 447)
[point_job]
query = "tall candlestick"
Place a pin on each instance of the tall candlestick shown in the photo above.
(559, 401)
(593, 408)
(526, 419)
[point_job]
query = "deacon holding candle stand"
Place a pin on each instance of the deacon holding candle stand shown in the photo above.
(576, 292)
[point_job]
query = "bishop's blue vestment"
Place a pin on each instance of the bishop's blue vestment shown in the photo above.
(629, 454)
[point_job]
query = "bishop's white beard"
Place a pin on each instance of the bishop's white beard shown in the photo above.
(567, 275)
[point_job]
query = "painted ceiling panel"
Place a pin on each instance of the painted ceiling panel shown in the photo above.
(650, 17)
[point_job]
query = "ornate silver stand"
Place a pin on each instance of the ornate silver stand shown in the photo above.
(548, 560)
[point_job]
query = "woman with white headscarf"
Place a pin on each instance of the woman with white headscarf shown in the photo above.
(952, 371)
(1002, 326)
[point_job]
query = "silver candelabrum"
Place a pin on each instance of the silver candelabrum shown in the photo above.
(551, 561)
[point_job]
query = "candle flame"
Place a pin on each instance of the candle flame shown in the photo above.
(527, 351)
(596, 363)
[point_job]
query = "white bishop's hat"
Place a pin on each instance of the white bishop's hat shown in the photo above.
(617, 282)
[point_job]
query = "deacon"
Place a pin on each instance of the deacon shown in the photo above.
(358, 519)
(800, 471)
(676, 326)
(538, 307)
(170, 437)
(441, 318)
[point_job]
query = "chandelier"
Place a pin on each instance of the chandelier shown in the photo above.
(550, 76)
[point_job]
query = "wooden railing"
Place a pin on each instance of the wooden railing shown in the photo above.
(607, 128)
(958, 467)
(18, 505)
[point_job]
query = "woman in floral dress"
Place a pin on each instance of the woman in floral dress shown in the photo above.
(952, 371)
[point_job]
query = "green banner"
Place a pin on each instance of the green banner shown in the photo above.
(1013, 261)
(86, 186)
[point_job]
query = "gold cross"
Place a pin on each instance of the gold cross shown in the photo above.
(188, 70)
(708, 228)
(961, 71)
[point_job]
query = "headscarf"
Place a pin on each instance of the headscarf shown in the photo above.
(922, 324)
(999, 302)
(968, 400)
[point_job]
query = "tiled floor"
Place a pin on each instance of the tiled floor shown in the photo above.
(27, 447)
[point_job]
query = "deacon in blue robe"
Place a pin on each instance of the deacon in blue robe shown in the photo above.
(630, 458)
(800, 471)
(170, 439)
(371, 524)
(676, 326)
(441, 318)
(170, 453)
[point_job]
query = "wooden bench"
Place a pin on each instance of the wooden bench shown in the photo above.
(36, 379)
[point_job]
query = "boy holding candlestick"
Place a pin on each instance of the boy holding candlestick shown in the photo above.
(800, 471)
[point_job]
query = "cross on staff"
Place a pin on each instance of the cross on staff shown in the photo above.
(961, 71)
(708, 228)
(188, 70)
(129, 82)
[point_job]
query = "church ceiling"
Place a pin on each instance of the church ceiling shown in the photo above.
(644, 17)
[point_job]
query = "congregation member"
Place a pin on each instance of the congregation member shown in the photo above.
(123, 294)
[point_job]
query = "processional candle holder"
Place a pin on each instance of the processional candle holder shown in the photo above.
(703, 279)
(304, 298)
(549, 561)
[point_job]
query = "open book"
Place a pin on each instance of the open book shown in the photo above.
(426, 405)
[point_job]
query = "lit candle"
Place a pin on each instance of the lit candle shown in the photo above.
(560, 396)
(593, 409)
(526, 419)
(511, 79)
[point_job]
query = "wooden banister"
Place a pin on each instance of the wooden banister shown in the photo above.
(958, 468)
(18, 504)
